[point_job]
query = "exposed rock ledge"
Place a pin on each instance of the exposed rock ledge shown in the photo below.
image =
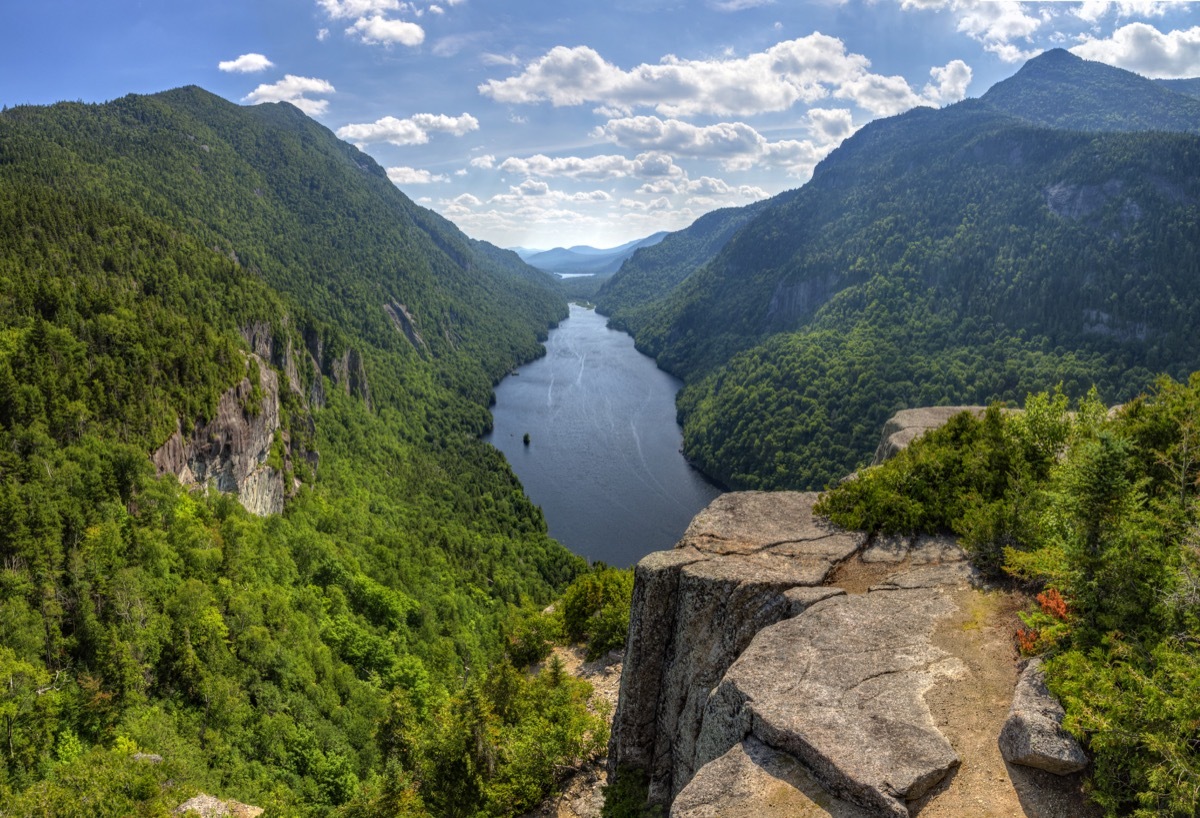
(231, 450)
(736, 636)
(780, 666)
(907, 425)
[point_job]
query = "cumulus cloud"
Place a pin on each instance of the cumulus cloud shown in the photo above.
(803, 70)
(735, 144)
(536, 189)
(1143, 48)
(345, 9)
(1093, 10)
(466, 200)
(379, 30)
(246, 64)
(413, 176)
(414, 130)
(486, 162)
(295, 90)
(994, 23)
(830, 126)
(649, 165)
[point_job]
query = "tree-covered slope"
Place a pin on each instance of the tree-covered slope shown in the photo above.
(347, 654)
(631, 295)
(959, 255)
(1061, 90)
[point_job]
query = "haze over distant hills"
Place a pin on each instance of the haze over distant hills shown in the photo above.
(585, 260)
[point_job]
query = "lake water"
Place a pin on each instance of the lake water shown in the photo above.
(603, 460)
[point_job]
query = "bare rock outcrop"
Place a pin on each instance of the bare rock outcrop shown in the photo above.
(840, 689)
(1033, 735)
(754, 781)
(696, 608)
(907, 425)
(207, 806)
(231, 450)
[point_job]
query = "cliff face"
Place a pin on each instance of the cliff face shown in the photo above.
(231, 451)
(778, 665)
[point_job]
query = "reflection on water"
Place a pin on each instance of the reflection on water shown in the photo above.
(603, 459)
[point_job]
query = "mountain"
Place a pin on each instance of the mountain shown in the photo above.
(1190, 87)
(208, 310)
(1061, 90)
(951, 256)
(584, 260)
(654, 270)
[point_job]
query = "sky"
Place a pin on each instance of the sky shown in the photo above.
(543, 124)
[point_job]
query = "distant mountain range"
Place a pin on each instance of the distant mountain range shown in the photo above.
(1047, 232)
(585, 260)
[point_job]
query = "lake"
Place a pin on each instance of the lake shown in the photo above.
(603, 459)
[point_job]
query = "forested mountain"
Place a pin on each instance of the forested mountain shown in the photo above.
(954, 255)
(347, 654)
(652, 272)
(1061, 90)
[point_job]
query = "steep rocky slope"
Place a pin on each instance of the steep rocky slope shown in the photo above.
(778, 665)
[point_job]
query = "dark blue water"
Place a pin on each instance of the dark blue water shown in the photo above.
(603, 460)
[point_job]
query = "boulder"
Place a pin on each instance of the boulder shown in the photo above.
(753, 781)
(840, 689)
(1033, 735)
(207, 806)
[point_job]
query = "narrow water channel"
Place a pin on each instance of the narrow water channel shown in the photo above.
(603, 457)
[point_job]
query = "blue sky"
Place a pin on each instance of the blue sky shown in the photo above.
(547, 124)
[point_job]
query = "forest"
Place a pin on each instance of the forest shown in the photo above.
(365, 652)
(962, 255)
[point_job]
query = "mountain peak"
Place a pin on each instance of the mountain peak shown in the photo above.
(1061, 90)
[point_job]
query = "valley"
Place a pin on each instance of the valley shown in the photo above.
(304, 492)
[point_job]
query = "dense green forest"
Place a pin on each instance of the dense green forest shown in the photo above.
(353, 655)
(1096, 513)
(940, 256)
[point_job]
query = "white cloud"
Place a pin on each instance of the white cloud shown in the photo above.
(323, 35)
(800, 70)
(413, 176)
(295, 90)
(650, 165)
(661, 203)
(1093, 10)
(949, 82)
(537, 190)
(739, 5)
(436, 9)
(737, 145)
(994, 23)
(381, 31)
(486, 162)
(830, 125)
(346, 9)
(466, 200)
(1143, 48)
(499, 59)
(246, 64)
(414, 130)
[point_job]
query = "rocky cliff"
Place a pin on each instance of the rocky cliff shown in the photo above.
(233, 451)
(779, 665)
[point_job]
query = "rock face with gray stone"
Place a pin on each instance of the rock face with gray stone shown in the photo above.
(738, 639)
(1033, 734)
(907, 425)
(752, 780)
(230, 451)
(696, 608)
